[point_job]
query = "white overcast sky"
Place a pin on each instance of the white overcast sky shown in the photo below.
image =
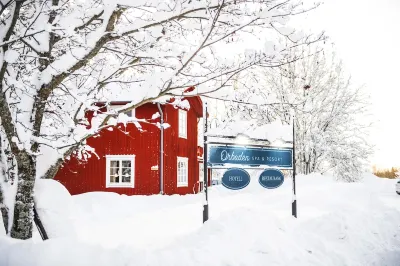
(366, 35)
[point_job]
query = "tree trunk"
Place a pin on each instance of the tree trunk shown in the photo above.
(314, 163)
(23, 210)
(307, 165)
(3, 173)
(304, 162)
(3, 209)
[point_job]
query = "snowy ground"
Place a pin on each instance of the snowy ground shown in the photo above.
(338, 224)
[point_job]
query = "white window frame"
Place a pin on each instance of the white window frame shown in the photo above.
(131, 112)
(130, 157)
(182, 124)
(181, 182)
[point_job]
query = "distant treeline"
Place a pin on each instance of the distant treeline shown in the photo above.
(387, 173)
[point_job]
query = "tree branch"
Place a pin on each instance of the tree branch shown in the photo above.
(47, 89)
(84, 25)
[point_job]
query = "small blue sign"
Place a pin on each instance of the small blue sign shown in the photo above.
(235, 178)
(271, 178)
(251, 156)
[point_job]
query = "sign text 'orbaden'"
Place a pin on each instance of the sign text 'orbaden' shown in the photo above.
(251, 156)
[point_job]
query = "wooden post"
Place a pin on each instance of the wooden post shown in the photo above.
(39, 224)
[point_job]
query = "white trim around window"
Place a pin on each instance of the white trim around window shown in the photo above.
(120, 171)
(130, 113)
(182, 172)
(182, 123)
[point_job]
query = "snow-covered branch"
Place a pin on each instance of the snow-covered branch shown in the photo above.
(60, 58)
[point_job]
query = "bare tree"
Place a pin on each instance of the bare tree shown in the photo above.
(60, 56)
(330, 115)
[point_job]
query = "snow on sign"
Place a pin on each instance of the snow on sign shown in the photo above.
(251, 156)
(271, 178)
(235, 179)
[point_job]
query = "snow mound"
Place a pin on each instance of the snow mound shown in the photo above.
(339, 223)
(60, 252)
(55, 208)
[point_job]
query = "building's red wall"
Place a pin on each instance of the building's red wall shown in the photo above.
(91, 176)
(175, 146)
(81, 177)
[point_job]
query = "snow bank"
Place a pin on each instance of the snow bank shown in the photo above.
(339, 224)
(55, 208)
(54, 252)
(121, 219)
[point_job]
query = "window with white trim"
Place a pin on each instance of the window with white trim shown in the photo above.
(130, 113)
(120, 171)
(182, 123)
(183, 172)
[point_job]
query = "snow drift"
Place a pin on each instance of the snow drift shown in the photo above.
(55, 208)
(339, 224)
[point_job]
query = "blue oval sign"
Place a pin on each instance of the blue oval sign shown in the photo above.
(271, 178)
(235, 178)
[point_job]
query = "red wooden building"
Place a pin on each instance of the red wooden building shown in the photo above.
(131, 162)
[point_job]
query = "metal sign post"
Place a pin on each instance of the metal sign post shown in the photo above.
(294, 200)
(205, 166)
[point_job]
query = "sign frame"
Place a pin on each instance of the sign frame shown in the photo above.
(211, 166)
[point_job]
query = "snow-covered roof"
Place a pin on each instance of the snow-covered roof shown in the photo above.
(130, 96)
(272, 132)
